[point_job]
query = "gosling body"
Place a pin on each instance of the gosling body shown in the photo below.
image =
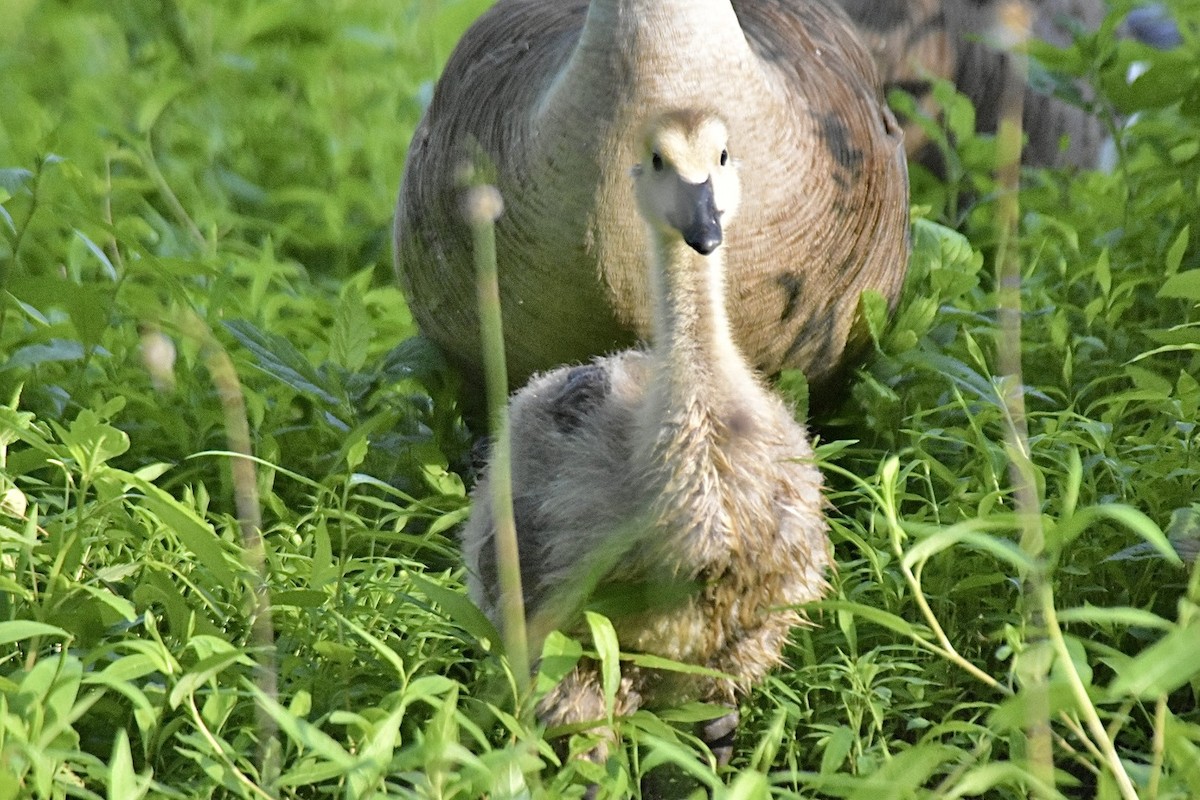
(668, 479)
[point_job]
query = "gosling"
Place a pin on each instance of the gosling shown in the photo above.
(670, 478)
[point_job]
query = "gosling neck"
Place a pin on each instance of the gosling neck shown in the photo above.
(691, 329)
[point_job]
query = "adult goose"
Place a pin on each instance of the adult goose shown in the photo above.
(670, 478)
(914, 41)
(550, 94)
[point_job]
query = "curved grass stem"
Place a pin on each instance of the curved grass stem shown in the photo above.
(249, 514)
(1079, 691)
(481, 208)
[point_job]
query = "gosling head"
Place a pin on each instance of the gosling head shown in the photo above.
(686, 182)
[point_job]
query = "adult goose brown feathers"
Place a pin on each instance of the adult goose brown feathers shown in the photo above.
(916, 41)
(551, 93)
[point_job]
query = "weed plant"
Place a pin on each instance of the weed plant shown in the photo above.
(182, 180)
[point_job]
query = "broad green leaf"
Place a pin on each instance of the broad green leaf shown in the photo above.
(837, 747)
(125, 670)
(279, 358)
(968, 534)
(459, 609)
(378, 645)
(604, 639)
(664, 750)
(749, 786)
(352, 332)
(304, 734)
(1103, 273)
(123, 782)
(1176, 251)
(55, 350)
(18, 630)
(1115, 615)
(120, 605)
(1162, 667)
(195, 534)
(878, 616)
(1183, 285)
(1123, 515)
(560, 654)
(204, 671)
(905, 772)
(985, 779)
(300, 598)
(649, 661)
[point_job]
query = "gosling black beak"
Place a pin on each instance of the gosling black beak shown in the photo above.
(701, 223)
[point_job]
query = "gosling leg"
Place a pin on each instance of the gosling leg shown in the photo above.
(719, 735)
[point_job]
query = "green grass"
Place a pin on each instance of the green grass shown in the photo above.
(183, 180)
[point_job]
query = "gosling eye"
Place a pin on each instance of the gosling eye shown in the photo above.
(657, 162)
(724, 157)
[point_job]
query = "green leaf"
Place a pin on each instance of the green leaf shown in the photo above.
(874, 310)
(560, 654)
(1103, 273)
(1124, 515)
(279, 358)
(1176, 251)
(20, 629)
(193, 532)
(837, 747)
(300, 598)
(1115, 615)
(985, 779)
(459, 609)
(749, 786)
(49, 352)
(878, 616)
(123, 782)
(906, 771)
(969, 534)
(124, 670)
(92, 442)
(648, 661)
(205, 670)
(604, 639)
(1183, 285)
(120, 605)
(304, 734)
(1161, 668)
(14, 179)
(352, 331)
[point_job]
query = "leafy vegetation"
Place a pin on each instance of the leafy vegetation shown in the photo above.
(183, 180)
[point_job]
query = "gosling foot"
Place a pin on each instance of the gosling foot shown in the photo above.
(719, 735)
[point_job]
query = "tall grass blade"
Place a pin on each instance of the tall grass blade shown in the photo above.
(482, 207)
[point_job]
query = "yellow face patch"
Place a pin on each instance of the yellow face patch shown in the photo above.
(683, 150)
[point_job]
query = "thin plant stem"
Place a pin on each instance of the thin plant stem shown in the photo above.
(249, 514)
(1159, 745)
(886, 500)
(111, 245)
(1041, 616)
(1013, 30)
(13, 262)
(217, 748)
(1090, 716)
(482, 207)
(168, 194)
